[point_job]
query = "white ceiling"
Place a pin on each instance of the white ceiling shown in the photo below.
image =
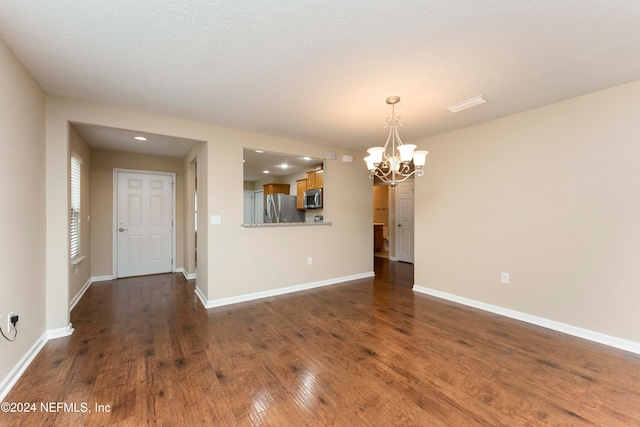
(319, 71)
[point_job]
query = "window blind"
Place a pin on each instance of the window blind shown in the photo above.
(75, 207)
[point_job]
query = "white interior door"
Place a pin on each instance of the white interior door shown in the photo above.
(404, 221)
(144, 225)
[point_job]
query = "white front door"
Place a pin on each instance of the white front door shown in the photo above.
(144, 224)
(404, 221)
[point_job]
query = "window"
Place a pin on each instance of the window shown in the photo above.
(76, 163)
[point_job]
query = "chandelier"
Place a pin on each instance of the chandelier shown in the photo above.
(394, 166)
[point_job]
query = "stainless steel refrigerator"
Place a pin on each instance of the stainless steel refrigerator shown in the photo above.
(282, 208)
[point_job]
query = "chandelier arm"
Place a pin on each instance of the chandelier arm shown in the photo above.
(384, 177)
(417, 172)
(396, 181)
(380, 173)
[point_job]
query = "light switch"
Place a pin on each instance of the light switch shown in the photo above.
(216, 219)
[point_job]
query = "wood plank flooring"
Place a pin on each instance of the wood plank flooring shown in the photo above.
(364, 353)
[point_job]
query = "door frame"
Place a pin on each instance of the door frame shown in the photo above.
(114, 222)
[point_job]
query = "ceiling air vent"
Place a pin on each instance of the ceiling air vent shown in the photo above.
(468, 103)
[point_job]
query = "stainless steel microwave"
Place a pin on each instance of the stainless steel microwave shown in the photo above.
(313, 198)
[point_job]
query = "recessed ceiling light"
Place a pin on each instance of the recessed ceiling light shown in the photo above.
(468, 103)
(259, 151)
(265, 171)
(284, 166)
(140, 138)
(306, 158)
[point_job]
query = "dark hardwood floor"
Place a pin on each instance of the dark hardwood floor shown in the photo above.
(364, 353)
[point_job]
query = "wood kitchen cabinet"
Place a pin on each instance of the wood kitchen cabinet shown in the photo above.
(315, 179)
(276, 188)
(301, 187)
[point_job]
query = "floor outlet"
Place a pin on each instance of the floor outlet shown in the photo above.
(9, 321)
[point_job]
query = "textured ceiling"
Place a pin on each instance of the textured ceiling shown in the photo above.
(319, 71)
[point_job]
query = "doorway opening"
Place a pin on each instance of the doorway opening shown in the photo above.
(381, 242)
(393, 221)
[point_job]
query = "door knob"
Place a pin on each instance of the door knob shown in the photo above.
(399, 225)
(122, 229)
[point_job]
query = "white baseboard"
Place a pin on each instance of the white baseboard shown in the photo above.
(201, 297)
(188, 276)
(79, 295)
(586, 334)
(59, 333)
(280, 291)
(14, 375)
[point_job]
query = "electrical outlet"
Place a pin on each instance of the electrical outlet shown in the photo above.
(309, 260)
(9, 322)
(504, 277)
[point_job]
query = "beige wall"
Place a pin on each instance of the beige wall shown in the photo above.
(103, 164)
(243, 261)
(80, 274)
(23, 209)
(259, 185)
(550, 196)
(232, 261)
(291, 180)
